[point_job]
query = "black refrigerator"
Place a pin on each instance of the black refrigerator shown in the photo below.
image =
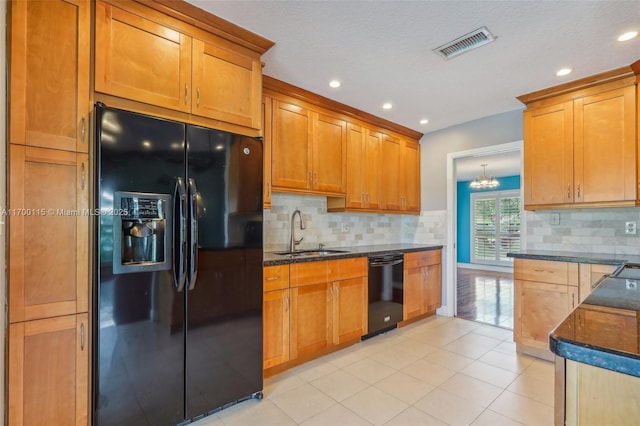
(178, 285)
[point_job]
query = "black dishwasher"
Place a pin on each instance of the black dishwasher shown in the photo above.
(385, 292)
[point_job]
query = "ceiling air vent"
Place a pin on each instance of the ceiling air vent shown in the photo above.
(467, 42)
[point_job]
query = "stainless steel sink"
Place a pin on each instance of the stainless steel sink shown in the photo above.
(316, 252)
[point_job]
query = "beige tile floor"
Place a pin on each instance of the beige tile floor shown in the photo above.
(440, 371)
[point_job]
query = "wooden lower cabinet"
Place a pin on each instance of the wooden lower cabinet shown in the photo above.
(49, 371)
(595, 396)
(311, 307)
(539, 308)
(276, 327)
(310, 319)
(349, 311)
(422, 283)
(546, 292)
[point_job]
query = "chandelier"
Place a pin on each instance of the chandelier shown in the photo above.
(484, 182)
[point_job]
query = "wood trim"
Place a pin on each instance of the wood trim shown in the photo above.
(83, 348)
(208, 22)
(579, 85)
(273, 87)
(581, 205)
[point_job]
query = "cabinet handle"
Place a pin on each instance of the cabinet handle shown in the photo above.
(310, 178)
(198, 96)
(573, 300)
(331, 294)
(82, 178)
(82, 130)
(286, 303)
(315, 178)
(568, 191)
(578, 190)
(273, 278)
(82, 337)
(268, 190)
(186, 93)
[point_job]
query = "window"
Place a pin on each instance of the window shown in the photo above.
(495, 227)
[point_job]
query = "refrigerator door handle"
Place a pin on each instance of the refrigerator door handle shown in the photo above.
(193, 226)
(180, 235)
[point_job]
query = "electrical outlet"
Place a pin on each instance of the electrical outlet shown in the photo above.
(345, 227)
(630, 228)
(555, 218)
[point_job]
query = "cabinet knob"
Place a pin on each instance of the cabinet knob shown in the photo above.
(82, 176)
(273, 278)
(186, 93)
(82, 129)
(82, 337)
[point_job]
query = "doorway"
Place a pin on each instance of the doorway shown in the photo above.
(482, 290)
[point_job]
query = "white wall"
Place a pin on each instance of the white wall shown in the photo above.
(3, 164)
(434, 147)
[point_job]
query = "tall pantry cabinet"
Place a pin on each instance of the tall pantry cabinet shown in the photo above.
(48, 353)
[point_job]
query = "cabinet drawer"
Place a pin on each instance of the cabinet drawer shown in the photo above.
(422, 258)
(347, 268)
(546, 271)
(275, 277)
(309, 273)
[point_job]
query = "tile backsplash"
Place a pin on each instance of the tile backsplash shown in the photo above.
(583, 230)
(364, 228)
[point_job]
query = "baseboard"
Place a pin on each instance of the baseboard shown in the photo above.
(507, 269)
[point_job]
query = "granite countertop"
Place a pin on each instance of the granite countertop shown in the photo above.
(272, 259)
(603, 330)
(565, 256)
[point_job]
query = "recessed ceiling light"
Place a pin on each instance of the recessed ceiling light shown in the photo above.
(387, 105)
(628, 36)
(334, 83)
(563, 71)
(424, 121)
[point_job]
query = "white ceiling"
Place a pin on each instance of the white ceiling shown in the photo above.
(381, 50)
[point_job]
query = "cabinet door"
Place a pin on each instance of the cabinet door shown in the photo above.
(413, 287)
(290, 149)
(539, 308)
(605, 144)
(372, 169)
(310, 319)
(329, 143)
(49, 233)
(356, 163)
(607, 327)
(348, 309)
(49, 74)
(548, 155)
(49, 371)
(267, 117)
(411, 177)
(141, 60)
(432, 288)
(226, 85)
(390, 183)
(276, 327)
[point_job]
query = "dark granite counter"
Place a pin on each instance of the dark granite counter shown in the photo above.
(564, 256)
(603, 330)
(271, 259)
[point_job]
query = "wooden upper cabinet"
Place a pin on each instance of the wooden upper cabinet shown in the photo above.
(548, 155)
(49, 242)
(308, 150)
(267, 135)
(226, 84)
(141, 60)
(147, 56)
(356, 149)
(49, 74)
(390, 185)
(49, 375)
(363, 168)
(605, 146)
(580, 143)
(329, 142)
(290, 147)
(410, 183)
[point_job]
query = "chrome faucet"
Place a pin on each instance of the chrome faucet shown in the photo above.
(293, 243)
